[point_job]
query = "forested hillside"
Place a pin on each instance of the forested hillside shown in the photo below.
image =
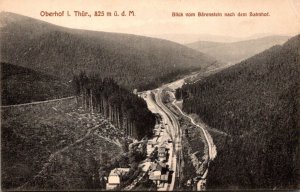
(234, 52)
(22, 85)
(256, 102)
(133, 61)
(126, 110)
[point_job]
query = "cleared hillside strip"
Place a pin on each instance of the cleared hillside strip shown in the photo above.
(38, 102)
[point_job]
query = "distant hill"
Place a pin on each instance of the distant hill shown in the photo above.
(133, 61)
(257, 103)
(235, 52)
(186, 38)
(22, 85)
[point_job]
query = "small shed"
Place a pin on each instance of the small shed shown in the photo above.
(114, 178)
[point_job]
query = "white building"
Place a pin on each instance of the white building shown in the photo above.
(114, 178)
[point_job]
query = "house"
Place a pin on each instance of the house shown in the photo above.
(162, 153)
(158, 172)
(114, 178)
(135, 91)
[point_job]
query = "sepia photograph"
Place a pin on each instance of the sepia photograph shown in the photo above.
(160, 95)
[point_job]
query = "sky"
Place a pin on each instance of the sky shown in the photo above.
(154, 17)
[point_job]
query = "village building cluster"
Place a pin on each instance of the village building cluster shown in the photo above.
(159, 171)
(157, 162)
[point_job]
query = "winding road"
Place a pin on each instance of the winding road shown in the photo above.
(212, 151)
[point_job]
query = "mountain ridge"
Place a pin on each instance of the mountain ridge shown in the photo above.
(134, 61)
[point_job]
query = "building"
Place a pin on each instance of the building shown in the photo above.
(135, 91)
(158, 172)
(114, 178)
(162, 154)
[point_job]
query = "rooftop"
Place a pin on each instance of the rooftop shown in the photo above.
(118, 171)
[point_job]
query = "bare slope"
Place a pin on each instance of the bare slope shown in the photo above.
(55, 145)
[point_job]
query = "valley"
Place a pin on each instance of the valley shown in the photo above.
(94, 110)
(172, 121)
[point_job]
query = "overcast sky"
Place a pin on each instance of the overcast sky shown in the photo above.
(155, 17)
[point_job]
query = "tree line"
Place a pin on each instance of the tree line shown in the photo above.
(124, 109)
